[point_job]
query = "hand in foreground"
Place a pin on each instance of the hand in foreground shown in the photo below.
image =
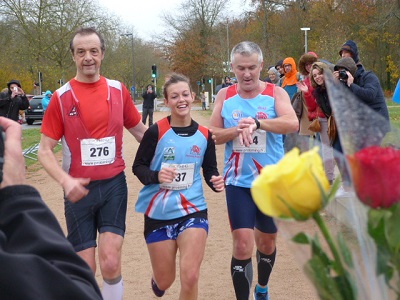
(218, 183)
(14, 162)
(166, 175)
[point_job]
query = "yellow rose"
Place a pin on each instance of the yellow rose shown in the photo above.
(292, 180)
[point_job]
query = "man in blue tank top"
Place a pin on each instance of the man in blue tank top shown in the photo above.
(250, 117)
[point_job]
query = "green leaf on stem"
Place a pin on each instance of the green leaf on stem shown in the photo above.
(345, 251)
(301, 238)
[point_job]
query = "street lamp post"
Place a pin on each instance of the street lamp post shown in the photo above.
(133, 63)
(305, 38)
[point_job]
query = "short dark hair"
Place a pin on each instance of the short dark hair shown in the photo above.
(175, 78)
(87, 31)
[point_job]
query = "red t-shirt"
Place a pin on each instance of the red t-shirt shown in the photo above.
(94, 110)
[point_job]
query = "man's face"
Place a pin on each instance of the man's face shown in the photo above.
(87, 57)
(346, 53)
(287, 68)
(247, 70)
(280, 69)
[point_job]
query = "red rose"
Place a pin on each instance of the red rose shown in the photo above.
(376, 175)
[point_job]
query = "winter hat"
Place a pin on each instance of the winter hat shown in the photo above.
(352, 48)
(347, 63)
(312, 53)
(14, 81)
(307, 58)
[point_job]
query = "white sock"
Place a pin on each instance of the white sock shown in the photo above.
(113, 290)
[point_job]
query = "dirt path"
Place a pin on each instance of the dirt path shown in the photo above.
(287, 281)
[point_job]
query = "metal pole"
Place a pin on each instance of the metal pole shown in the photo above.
(133, 67)
(227, 47)
(305, 38)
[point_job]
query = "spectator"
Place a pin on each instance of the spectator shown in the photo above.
(364, 84)
(274, 76)
(13, 100)
(309, 104)
(37, 261)
(46, 100)
(148, 104)
(322, 112)
(227, 82)
(280, 69)
(203, 100)
(291, 76)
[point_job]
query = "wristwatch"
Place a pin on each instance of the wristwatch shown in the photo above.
(257, 123)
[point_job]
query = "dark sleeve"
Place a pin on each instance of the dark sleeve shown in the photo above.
(24, 102)
(4, 99)
(210, 162)
(144, 156)
(368, 90)
(36, 259)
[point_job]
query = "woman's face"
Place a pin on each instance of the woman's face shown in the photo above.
(179, 99)
(308, 67)
(272, 76)
(318, 76)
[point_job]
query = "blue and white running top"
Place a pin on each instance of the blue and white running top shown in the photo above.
(185, 194)
(243, 164)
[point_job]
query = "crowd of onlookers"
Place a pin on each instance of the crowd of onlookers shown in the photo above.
(308, 77)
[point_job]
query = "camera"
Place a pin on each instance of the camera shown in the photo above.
(343, 75)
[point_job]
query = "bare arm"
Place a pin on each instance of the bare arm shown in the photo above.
(286, 121)
(221, 135)
(74, 187)
(138, 131)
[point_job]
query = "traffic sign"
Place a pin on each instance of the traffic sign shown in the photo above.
(132, 89)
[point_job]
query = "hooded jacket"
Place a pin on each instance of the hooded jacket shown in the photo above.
(290, 79)
(348, 64)
(10, 107)
(366, 86)
(351, 46)
(46, 100)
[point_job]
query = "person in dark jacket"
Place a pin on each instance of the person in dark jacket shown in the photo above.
(364, 84)
(12, 101)
(148, 104)
(37, 261)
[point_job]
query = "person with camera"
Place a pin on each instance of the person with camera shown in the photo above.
(148, 104)
(13, 100)
(37, 261)
(364, 84)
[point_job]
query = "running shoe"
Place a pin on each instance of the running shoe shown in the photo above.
(156, 290)
(260, 296)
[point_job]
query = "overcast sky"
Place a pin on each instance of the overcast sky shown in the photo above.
(145, 16)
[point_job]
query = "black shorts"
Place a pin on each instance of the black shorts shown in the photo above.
(103, 210)
(243, 212)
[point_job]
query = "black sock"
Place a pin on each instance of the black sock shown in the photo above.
(242, 277)
(265, 263)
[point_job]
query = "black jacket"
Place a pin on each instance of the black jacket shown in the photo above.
(37, 261)
(10, 107)
(368, 89)
(148, 99)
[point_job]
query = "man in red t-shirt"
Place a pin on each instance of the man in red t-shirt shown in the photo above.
(89, 114)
